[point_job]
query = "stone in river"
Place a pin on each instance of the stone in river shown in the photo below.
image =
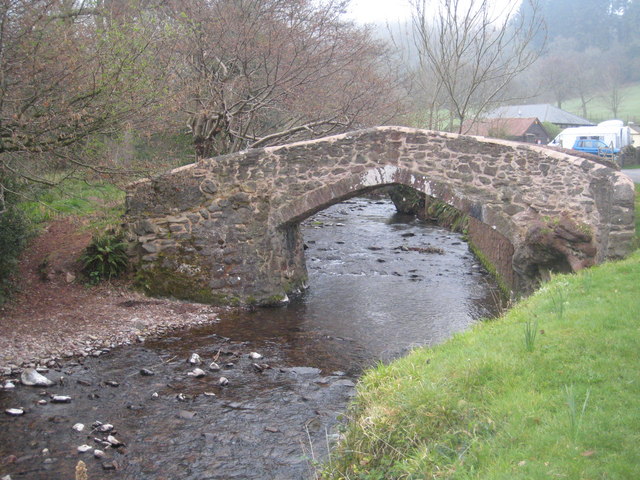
(78, 427)
(195, 359)
(14, 412)
(34, 379)
(146, 372)
(186, 414)
(115, 442)
(109, 466)
(60, 399)
(255, 356)
(84, 448)
(197, 373)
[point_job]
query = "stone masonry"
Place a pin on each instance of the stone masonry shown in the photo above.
(226, 230)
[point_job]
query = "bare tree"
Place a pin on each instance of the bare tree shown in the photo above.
(473, 52)
(264, 72)
(614, 77)
(63, 79)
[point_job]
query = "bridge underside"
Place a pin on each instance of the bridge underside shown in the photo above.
(226, 230)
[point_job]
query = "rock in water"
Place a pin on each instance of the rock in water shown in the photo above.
(255, 356)
(14, 412)
(78, 427)
(115, 443)
(223, 382)
(195, 359)
(34, 379)
(214, 366)
(84, 448)
(197, 372)
(60, 399)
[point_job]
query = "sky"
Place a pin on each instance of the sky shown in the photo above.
(381, 11)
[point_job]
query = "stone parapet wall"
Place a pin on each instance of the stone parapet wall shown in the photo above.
(226, 229)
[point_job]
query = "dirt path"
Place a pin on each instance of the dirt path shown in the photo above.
(55, 314)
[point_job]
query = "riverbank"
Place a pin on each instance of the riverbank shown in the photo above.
(547, 390)
(55, 315)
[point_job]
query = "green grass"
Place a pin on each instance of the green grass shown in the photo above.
(597, 109)
(492, 403)
(100, 202)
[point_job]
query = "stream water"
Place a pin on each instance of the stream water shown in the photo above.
(380, 284)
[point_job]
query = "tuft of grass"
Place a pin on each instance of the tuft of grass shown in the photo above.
(575, 417)
(480, 406)
(530, 333)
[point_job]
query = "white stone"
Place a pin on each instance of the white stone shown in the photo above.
(107, 427)
(78, 427)
(197, 372)
(14, 411)
(214, 366)
(195, 359)
(255, 355)
(223, 381)
(84, 448)
(9, 385)
(114, 441)
(60, 399)
(98, 453)
(33, 379)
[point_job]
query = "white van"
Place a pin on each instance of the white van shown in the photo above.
(612, 132)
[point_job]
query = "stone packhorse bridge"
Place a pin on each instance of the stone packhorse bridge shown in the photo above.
(226, 230)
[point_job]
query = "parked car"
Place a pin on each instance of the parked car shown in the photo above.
(595, 147)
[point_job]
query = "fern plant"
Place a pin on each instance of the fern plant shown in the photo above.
(105, 258)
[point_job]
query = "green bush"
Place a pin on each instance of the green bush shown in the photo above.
(105, 258)
(14, 233)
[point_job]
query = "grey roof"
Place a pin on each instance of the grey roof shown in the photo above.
(544, 112)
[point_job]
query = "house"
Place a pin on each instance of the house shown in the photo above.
(528, 130)
(544, 112)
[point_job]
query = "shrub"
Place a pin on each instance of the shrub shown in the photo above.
(105, 257)
(14, 233)
(630, 156)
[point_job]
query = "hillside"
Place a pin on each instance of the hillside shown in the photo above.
(598, 110)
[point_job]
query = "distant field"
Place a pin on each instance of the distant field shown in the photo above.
(598, 110)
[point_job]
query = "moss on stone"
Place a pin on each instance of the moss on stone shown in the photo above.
(491, 268)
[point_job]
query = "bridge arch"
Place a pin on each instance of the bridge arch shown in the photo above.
(225, 230)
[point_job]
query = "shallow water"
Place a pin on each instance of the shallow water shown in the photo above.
(374, 294)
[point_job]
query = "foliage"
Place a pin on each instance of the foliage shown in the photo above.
(72, 71)
(481, 406)
(255, 73)
(552, 129)
(105, 257)
(14, 233)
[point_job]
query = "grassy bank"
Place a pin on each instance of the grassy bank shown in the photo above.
(548, 391)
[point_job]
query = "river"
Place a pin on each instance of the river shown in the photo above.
(380, 284)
